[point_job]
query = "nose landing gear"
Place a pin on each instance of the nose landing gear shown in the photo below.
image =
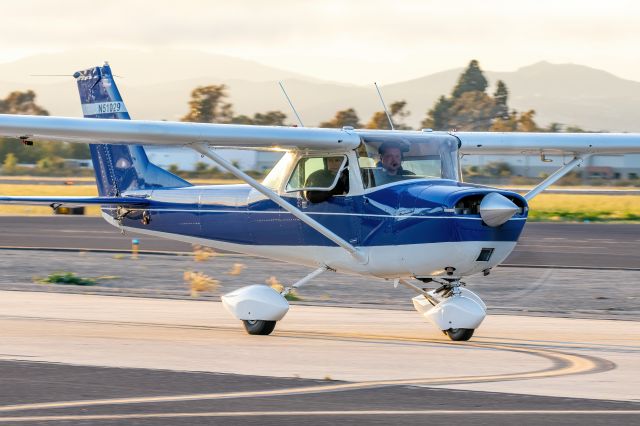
(453, 309)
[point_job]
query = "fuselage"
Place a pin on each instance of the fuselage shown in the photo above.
(414, 228)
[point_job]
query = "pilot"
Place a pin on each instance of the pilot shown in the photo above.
(324, 178)
(391, 156)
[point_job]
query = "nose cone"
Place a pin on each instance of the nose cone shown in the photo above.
(496, 209)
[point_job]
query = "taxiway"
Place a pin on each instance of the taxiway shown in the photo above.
(84, 358)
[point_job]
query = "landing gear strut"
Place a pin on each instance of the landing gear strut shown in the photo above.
(453, 309)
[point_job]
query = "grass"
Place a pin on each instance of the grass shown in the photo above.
(580, 208)
(68, 278)
(545, 207)
(50, 190)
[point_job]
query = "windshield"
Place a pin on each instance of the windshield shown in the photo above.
(386, 158)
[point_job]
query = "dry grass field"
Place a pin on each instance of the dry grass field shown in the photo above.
(569, 207)
(545, 207)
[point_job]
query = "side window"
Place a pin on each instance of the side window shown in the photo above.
(319, 173)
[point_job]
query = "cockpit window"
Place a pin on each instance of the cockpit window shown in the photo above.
(385, 158)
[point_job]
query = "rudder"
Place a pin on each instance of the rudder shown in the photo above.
(118, 168)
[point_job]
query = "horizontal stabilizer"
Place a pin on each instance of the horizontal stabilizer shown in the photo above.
(76, 201)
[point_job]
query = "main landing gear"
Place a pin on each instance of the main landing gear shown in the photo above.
(452, 308)
(259, 307)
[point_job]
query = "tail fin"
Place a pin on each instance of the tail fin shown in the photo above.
(118, 168)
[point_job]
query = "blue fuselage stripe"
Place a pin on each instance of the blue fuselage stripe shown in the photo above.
(360, 221)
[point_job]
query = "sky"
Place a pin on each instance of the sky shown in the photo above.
(350, 41)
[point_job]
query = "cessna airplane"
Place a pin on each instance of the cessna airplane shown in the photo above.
(375, 203)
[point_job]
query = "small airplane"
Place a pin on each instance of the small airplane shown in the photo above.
(377, 203)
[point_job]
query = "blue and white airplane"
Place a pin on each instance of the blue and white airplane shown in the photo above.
(388, 204)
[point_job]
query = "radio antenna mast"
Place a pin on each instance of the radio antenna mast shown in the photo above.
(291, 104)
(384, 106)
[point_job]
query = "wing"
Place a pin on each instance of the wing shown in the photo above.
(99, 131)
(577, 144)
(76, 201)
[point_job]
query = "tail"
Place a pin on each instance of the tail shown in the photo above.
(118, 168)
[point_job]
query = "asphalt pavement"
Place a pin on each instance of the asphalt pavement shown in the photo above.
(579, 245)
(94, 360)
(32, 382)
(199, 368)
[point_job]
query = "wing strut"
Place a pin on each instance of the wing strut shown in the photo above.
(555, 176)
(208, 152)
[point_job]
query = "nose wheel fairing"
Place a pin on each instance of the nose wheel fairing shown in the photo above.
(462, 310)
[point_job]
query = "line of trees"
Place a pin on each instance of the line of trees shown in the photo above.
(469, 107)
(47, 158)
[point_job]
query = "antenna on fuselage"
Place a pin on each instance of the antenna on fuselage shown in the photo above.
(291, 104)
(384, 106)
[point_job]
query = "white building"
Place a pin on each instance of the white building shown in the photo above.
(186, 158)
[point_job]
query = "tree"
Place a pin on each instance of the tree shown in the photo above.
(270, 118)
(208, 105)
(470, 108)
(501, 96)
(526, 122)
(554, 128)
(50, 164)
(201, 167)
(516, 122)
(438, 116)
(378, 120)
(472, 111)
(346, 117)
(10, 163)
(241, 119)
(75, 150)
(21, 103)
(397, 112)
(471, 80)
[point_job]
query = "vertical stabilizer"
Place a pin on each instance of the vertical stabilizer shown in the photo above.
(118, 168)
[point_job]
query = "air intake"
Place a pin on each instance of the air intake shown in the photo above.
(485, 255)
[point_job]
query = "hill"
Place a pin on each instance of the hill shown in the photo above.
(156, 85)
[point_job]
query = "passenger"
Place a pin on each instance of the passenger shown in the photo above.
(324, 179)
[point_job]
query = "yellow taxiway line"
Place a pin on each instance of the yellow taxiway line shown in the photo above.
(563, 364)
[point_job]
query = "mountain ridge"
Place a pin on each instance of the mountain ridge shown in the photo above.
(157, 88)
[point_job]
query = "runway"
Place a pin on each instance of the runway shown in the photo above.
(85, 359)
(542, 244)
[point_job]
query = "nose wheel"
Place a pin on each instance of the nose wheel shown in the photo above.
(455, 310)
(460, 334)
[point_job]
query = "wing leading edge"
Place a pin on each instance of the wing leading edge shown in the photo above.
(91, 130)
(518, 143)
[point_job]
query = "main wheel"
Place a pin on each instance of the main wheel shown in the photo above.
(460, 334)
(260, 327)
